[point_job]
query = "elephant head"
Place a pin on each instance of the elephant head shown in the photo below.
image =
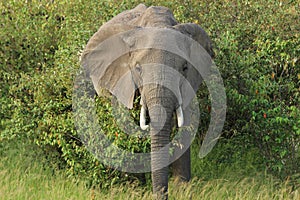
(145, 49)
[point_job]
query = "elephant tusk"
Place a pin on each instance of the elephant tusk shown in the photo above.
(143, 119)
(180, 118)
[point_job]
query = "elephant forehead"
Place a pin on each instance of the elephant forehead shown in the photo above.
(143, 37)
(161, 71)
(157, 56)
(172, 41)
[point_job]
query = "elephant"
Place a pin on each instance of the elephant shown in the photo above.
(166, 82)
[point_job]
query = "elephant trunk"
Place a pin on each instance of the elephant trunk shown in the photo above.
(161, 104)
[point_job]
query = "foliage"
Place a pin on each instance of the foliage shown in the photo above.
(261, 73)
(257, 46)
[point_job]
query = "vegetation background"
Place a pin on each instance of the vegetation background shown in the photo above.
(257, 48)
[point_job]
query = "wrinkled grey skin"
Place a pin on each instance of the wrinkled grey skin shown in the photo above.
(154, 97)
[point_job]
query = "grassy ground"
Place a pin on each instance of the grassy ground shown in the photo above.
(22, 176)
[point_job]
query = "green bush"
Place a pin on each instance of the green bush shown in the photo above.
(257, 46)
(260, 54)
(27, 44)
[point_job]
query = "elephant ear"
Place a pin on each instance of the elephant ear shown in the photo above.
(198, 34)
(198, 66)
(109, 69)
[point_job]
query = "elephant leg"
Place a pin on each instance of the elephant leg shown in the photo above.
(181, 167)
(142, 178)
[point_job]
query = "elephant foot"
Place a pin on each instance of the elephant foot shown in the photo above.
(161, 195)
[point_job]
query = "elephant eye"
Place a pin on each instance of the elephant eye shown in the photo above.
(185, 67)
(138, 69)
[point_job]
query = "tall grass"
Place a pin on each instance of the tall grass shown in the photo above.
(23, 176)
